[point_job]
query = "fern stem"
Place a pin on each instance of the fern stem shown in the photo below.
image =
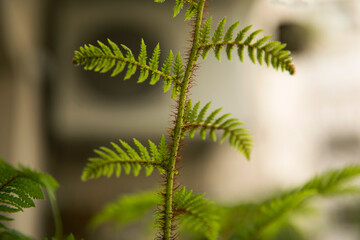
(179, 123)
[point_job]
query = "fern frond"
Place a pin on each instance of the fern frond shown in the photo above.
(196, 213)
(238, 137)
(19, 188)
(126, 209)
(253, 219)
(110, 161)
(104, 59)
(260, 51)
(179, 4)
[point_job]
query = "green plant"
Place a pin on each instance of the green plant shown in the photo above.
(19, 187)
(174, 204)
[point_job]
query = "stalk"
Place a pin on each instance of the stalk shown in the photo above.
(179, 123)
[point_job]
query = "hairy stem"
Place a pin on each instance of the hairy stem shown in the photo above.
(179, 123)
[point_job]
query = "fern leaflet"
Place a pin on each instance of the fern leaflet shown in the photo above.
(110, 161)
(104, 59)
(271, 53)
(126, 209)
(197, 213)
(179, 4)
(238, 137)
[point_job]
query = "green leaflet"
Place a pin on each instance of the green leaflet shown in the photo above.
(179, 4)
(195, 120)
(127, 158)
(111, 58)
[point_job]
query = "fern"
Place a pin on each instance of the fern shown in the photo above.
(19, 188)
(238, 137)
(197, 213)
(104, 59)
(110, 161)
(260, 51)
(250, 220)
(126, 209)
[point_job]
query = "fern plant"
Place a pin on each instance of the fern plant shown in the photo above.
(176, 205)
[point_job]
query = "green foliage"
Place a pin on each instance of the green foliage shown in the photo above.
(19, 188)
(197, 214)
(127, 209)
(110, 161)
(104, 59)
(179, 5)
(249, 221)
(194, 120)
(260, 51)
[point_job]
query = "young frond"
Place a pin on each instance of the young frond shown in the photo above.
(125, 157)
(179, 4)
(19, 188)
(126, 209)
(260, 51)
(238, 137)
(196, 213)
(111, 58)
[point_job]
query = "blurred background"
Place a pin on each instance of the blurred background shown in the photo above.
(54, 114)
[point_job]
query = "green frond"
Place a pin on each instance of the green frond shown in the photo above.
(111, 161)
(105, 59)
(260, 51)
(238, 137)
(196, 213)
(126, 209)
(19, 187)
(251, 220)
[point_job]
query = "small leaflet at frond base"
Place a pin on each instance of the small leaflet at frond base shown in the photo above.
(238, 137)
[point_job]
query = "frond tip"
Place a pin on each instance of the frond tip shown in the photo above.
(109, 161)
(195, 120)
(104, 58)
(260, 50)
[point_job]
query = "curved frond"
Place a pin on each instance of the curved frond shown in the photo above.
(179, 5)
(196, 213)
(250, 220)
(194, 120)
(126, 209)
(19, 188)
(260, 50)
(127, 158)
(103, 59)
